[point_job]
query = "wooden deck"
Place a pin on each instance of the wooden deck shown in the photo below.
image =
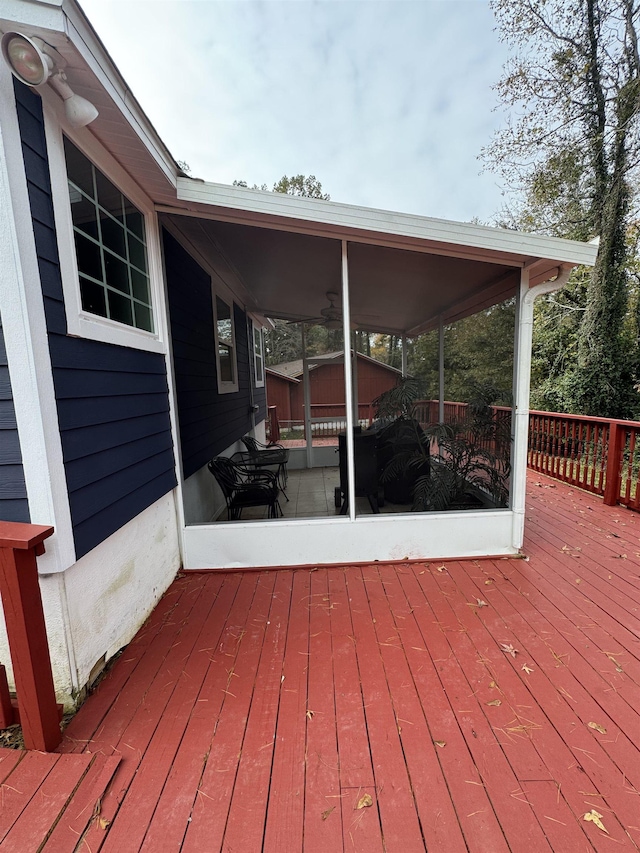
(484, 705)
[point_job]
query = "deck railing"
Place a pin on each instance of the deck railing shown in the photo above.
(596, 454)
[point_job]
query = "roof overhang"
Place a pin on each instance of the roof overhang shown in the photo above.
(406, 273)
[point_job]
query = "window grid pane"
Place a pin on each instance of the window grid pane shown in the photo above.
(110, 246)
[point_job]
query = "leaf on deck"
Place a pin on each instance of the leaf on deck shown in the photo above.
(495, 702)
(325, 814)
(595, 817)
(364, 802)
(508, 649)
(527, 668)
(310, 714)
(440, 743)
(598, 728)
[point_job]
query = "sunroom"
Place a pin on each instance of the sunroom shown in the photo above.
(386, 273)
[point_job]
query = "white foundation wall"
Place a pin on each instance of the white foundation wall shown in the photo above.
(98, 604)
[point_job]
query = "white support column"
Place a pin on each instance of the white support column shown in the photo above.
(348, 383)
(306, 391)
(440, 371)
(522, 387)
(404, 357)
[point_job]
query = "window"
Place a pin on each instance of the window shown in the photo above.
(225, 343)
(111, 250)
(258, 357)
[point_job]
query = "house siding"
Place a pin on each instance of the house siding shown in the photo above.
(112, 402)
(209, 422)
(13, 491)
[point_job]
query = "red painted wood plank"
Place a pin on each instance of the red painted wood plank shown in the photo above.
(564, 721)
(132, 820)
(8, 760)
(353, 746)
(212, 803)
(47, 805)
(176, 803)
(18, 789)
(246, 822)
(562, 829)
(395, 795)
(285, 814)
(134, 664)
(322, 803)
(84, 807)
(436, 812)
(142, 711)
(515, 816)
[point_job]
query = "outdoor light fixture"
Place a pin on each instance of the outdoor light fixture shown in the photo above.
(32, 65)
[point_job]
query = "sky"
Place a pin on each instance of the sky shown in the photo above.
(387, 102)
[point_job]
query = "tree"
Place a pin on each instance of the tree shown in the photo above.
(574, 84)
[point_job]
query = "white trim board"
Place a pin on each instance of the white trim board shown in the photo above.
(327, 541)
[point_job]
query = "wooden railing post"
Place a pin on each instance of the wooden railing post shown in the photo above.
(26, 632)
(617, 438)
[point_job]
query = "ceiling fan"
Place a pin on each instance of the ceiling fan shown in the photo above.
(331, 315)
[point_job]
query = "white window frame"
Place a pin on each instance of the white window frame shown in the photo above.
(225, 386)
(258, 383)
(81, 323)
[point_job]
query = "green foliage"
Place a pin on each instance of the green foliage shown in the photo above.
(573, 146)
(307, 186)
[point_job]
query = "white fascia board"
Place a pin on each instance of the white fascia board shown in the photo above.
(347, 217)
(66, 19)
(87, 43)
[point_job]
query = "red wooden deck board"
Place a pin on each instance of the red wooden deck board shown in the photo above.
(361, 828)
(141, 716)
(322, 801)
(134, 665)
(175, 805)
(572, 715)
(513, 689)
(518, 821)
(211, 806)
(400, 824)
(131, 822)
(285, 816)
(47, 804)
(219, 753)
(247, 812)
(21, 786)
(84, 807)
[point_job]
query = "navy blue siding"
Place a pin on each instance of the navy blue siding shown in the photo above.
(209, 421)
(13, 491)
(113, 404)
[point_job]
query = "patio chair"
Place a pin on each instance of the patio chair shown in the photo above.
(243, 487)
(264, 455)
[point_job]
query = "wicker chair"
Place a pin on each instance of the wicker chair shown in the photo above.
(242, 487)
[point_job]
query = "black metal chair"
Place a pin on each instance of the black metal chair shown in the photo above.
(269, 455)
(243, 487)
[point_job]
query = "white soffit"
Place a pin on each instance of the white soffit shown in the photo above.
(327, 218)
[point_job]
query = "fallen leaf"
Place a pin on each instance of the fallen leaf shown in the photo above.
(495, 702)
(488, 581)
(598, 728)
(481, 603)
(104, 823)
(508, 649)
(310, 715)
(442, 568)
(364, 802)
(326, 813)
(492, 684)
(595, 816)
(527, 668)
(578, 580)
(440, 743)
